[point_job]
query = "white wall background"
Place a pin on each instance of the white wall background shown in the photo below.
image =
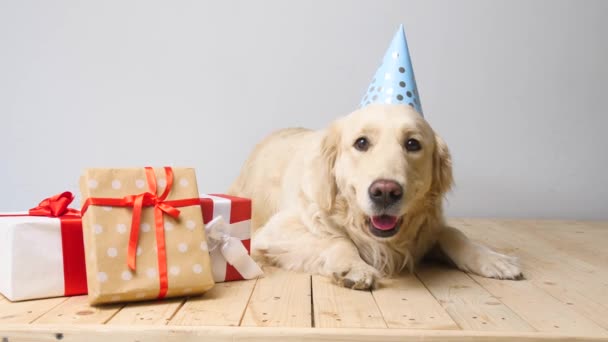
(517, 88)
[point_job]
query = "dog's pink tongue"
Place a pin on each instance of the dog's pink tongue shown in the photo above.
(384, 222)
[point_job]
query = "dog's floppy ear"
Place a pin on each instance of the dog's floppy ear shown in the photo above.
(442, 168)
(325, 181)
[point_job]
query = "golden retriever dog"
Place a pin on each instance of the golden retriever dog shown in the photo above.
(359, 200)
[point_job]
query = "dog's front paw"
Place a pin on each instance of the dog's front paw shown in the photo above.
(498, 266)
(357, 277)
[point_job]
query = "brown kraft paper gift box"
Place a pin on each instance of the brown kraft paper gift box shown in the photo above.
(110, 198)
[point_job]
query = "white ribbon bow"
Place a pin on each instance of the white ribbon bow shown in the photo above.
(218, 235)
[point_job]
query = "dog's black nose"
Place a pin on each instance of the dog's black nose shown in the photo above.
(385, 192)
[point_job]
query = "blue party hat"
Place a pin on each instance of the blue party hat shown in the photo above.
(394, 82)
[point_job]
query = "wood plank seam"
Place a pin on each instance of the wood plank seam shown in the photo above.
(114, 314)
(405, 302)
(155, 312)
(500, 300)
(312, 305)
(437, 299)
(248, 301)
(220, 306)
(583, 322)
(179, 307)
(379, 309)
(340, 307)
(49, 310)
(582, 312)
(470, 305)
(280, 298)
(77, 309)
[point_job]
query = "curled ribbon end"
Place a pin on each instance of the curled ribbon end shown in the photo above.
(131, 264)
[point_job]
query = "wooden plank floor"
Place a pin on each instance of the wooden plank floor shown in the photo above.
(564, 297)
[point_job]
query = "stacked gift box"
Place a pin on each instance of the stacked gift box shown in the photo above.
(142, 234)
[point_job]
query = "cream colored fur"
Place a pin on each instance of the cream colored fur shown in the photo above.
(311, 207)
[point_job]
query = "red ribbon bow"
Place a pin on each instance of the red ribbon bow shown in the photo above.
(161, 205)
(55, 206)
(74, 269)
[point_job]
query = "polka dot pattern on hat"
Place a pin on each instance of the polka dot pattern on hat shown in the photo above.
(394, 81)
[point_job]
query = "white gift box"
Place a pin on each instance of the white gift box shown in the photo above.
(41, 257)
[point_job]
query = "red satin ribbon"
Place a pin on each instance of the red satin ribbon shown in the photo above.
(72, 245)
(74, 266)
(161, 206)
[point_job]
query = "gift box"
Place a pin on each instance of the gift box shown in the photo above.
(228, 226)
(41, 251)
(144, 234)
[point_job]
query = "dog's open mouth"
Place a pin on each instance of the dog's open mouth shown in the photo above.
(384, 225)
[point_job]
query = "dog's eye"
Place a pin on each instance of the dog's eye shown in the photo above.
(412, 145)
(362, 144)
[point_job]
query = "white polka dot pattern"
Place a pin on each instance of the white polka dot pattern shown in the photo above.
(102, 277)
(197, 268)
(126, 275)
(116, 184)
(98, 229)
(112, 252)
(190, 224)
(145, 227)
(121, 228)
(182, 247)
(140, 183)
(92, 184)
(151, 273)
(174, 270)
